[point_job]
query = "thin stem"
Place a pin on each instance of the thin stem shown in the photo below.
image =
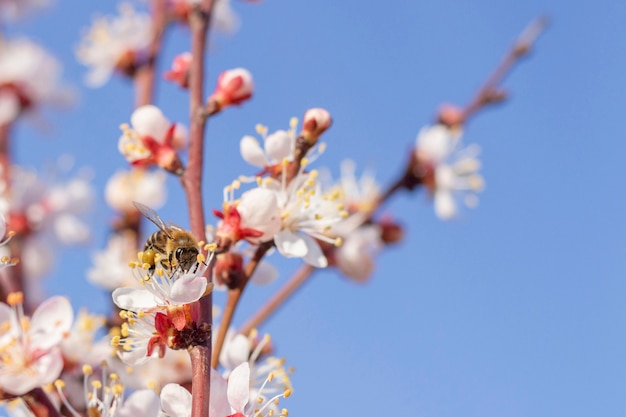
(39, 403)
(146, 73)
(490, 91)
(278, 299)
(232, 300)
(11, 279)
(191, 180)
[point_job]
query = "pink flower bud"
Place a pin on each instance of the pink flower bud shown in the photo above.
(316, 121)
(179, 73)
(233, 87)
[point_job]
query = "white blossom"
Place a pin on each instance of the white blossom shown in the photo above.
(112, 40)
(29, 347)
(29, 78)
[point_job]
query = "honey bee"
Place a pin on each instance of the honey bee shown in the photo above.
(177, 248)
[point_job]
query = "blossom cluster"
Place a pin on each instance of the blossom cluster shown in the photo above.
(138, 360)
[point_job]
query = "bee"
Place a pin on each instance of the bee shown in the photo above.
(176, 247)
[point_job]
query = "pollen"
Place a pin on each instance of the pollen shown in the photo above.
(118, 389)
(15, 298)
(287, 393)
(96, 384)
(59, 384)
(338, 242)
(210, 247)
(87, 370)
(115, 341)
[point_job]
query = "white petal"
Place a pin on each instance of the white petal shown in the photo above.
(135, 357)
(314, 256)
(141, 403)
(43, 371)
(239, 387)
(252, 153)
(259, 210)
(50, 322)
(278, 145)
(218, 404)
(133, 299)
(290, 244)
(148, 120)
(187, 289)
(176, 401)
(445, 206)
(98, 76)
(9, 108)
(70, 230)
(235, 352)
(264, 274)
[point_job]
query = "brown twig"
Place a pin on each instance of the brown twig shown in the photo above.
(191, 181)
(490, 92)
(145, 75)
(294, 283)
(233, 298)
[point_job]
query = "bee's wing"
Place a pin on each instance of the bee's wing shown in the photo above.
(153, 217)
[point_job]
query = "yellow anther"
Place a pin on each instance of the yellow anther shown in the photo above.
(59, 384)
(318, 216)
(284, 412)
(125, 331)
(266, 338)
(270, 376)
(293, 122)
(151, 384)
(343, 214)
(160, 272)
(314, 174)
(115, 341)
(130, 369)
(285, 162)
(15, 298)
(210, 247)
(304, 162)
(287, 393)
(114, 376)
(260, 129)
(127, 348)
(259, 400)
(259, 181)
(200, 258)
(96, 384)
(253, 333)
(118, 389)
(141, 314)
(87, 370)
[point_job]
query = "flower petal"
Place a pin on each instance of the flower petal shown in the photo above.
(176, 401)
(144, 403)
(278, 145)
(187, 289)
(264, 274)
(314, 256)
(149, 121)
(133, 299)
(290, 244)
(252, 153)
(43, 371)
(239, 387)
(50, 322)
(445, 206)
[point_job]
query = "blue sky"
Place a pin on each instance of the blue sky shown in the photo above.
(516, 308)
